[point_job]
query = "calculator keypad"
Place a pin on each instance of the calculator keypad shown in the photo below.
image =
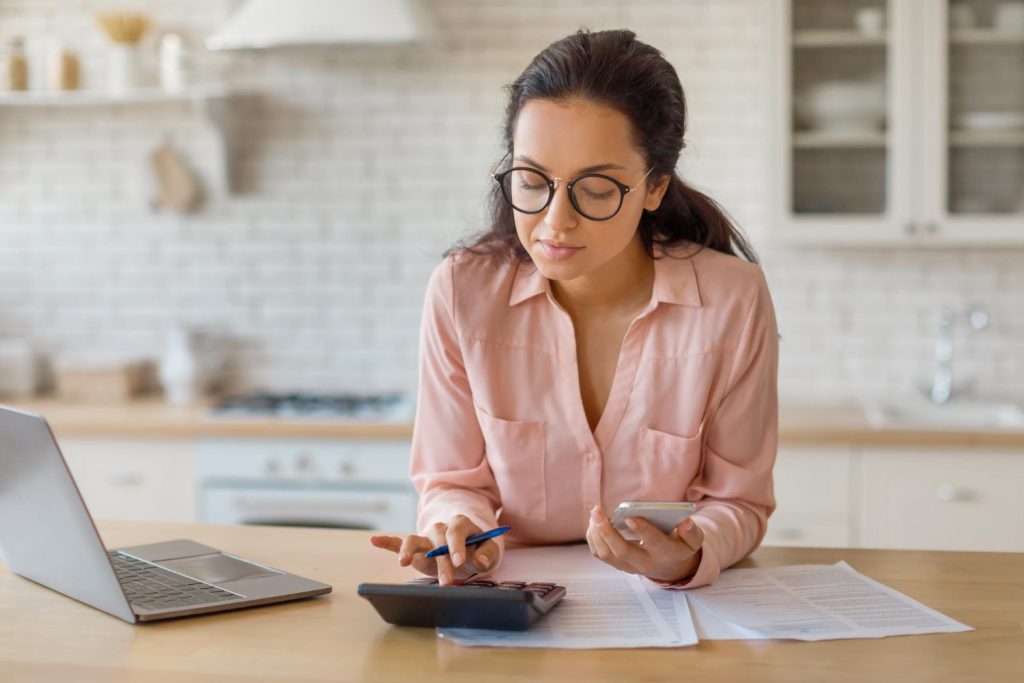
(539, 588)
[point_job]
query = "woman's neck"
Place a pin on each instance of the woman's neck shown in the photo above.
(624, 284)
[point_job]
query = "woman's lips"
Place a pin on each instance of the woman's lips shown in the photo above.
(557, 252)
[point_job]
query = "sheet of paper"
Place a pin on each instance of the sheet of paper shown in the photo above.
(817, 602)
(675, 610)
(705, 623)
(603, 607)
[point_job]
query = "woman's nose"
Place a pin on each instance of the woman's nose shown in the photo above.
(561, 214)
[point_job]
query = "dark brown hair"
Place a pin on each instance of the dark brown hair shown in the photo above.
(615, 69)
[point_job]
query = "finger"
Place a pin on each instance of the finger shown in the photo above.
(600, 549)
(459, 529)
(624, 551)
(445, 570)
(466, 571)
(485, 555)
(392, 543)
(413, 550)
(652, 539)
(590, 539)
(655, 545)
(690, 533)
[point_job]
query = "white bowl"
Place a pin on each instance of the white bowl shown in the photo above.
(853, 106)
(990, 120)
(1008, 16)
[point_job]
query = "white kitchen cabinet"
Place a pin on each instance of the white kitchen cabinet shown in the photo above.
(813, 488)
(136, 479)
(909, 135)
(941, 499)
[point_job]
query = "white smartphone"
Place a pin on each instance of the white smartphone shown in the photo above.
(665, 515)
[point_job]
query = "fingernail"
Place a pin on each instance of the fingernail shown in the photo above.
(403, 557)
(688, 525)
(457, 559)
(631, 523)
(483, 561)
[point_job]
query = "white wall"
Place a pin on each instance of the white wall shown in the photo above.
(358, 166)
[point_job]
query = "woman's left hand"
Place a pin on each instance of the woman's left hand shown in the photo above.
(663, 557)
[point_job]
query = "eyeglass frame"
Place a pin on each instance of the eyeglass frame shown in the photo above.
(623, 188)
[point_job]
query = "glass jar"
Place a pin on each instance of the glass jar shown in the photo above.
(13, 65)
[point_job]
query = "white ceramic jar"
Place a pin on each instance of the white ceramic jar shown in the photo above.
(17, 368)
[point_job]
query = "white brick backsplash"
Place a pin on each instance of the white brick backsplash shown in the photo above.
(356, 167)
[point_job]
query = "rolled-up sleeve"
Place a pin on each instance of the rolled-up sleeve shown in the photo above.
(734, 490)
(448, 466)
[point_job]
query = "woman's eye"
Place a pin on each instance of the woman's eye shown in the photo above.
(528, 186)
(598, 195)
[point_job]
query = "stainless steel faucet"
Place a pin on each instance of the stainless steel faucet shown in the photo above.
(942, 389)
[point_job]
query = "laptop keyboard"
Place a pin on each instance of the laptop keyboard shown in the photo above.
(151, 587)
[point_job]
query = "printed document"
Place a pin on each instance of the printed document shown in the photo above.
(817, 602)
(606, 608)
(603, 607)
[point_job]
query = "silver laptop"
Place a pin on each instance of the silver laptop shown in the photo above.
(48, 536)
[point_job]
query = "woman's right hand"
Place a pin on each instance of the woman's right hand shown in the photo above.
(458, 565)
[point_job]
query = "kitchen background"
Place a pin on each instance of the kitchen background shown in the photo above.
(352, 167)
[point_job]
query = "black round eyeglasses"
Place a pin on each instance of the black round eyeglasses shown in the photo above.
(595, 196)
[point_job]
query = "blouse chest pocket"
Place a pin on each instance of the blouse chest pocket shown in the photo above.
(515, 450)
(669, 463)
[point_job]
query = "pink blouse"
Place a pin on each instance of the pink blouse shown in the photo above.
(501, 435)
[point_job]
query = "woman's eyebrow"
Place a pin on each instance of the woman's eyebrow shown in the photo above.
(588, 169)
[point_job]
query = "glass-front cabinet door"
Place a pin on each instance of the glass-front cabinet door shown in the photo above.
(900, 122)
(847, 152)
(977, 139)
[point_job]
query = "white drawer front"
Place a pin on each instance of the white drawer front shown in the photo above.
(941, 500)
(309, 460)
(812, 480)
(808, 531)
(812, 493)
(137, 479)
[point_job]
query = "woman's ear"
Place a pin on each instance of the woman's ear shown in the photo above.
(656, 192)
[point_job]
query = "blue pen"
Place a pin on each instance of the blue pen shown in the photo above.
(472, 540)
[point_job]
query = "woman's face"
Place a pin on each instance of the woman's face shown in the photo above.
(565, 140)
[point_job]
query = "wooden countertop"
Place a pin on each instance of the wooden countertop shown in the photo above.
(153, 418)
(45, 636)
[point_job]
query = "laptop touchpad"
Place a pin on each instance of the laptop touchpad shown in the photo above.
(216, 568)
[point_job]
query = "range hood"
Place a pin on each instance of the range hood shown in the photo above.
(261, 24)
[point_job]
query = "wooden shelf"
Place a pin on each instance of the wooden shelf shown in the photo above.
(986, 138)
(816, 39)
(824, 140)
(985, 36)
(93, 98)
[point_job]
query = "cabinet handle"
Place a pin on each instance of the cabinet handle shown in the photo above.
(948, 493)
(931, 227)
(125, 479)
(910, 227)
(789, 533)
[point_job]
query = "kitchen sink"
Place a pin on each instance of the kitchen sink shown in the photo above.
(955, 415)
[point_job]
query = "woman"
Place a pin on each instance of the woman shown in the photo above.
(601, 342)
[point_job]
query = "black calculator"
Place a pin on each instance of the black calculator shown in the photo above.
(479, 603)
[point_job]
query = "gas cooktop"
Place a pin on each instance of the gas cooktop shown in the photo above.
(383, 407)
